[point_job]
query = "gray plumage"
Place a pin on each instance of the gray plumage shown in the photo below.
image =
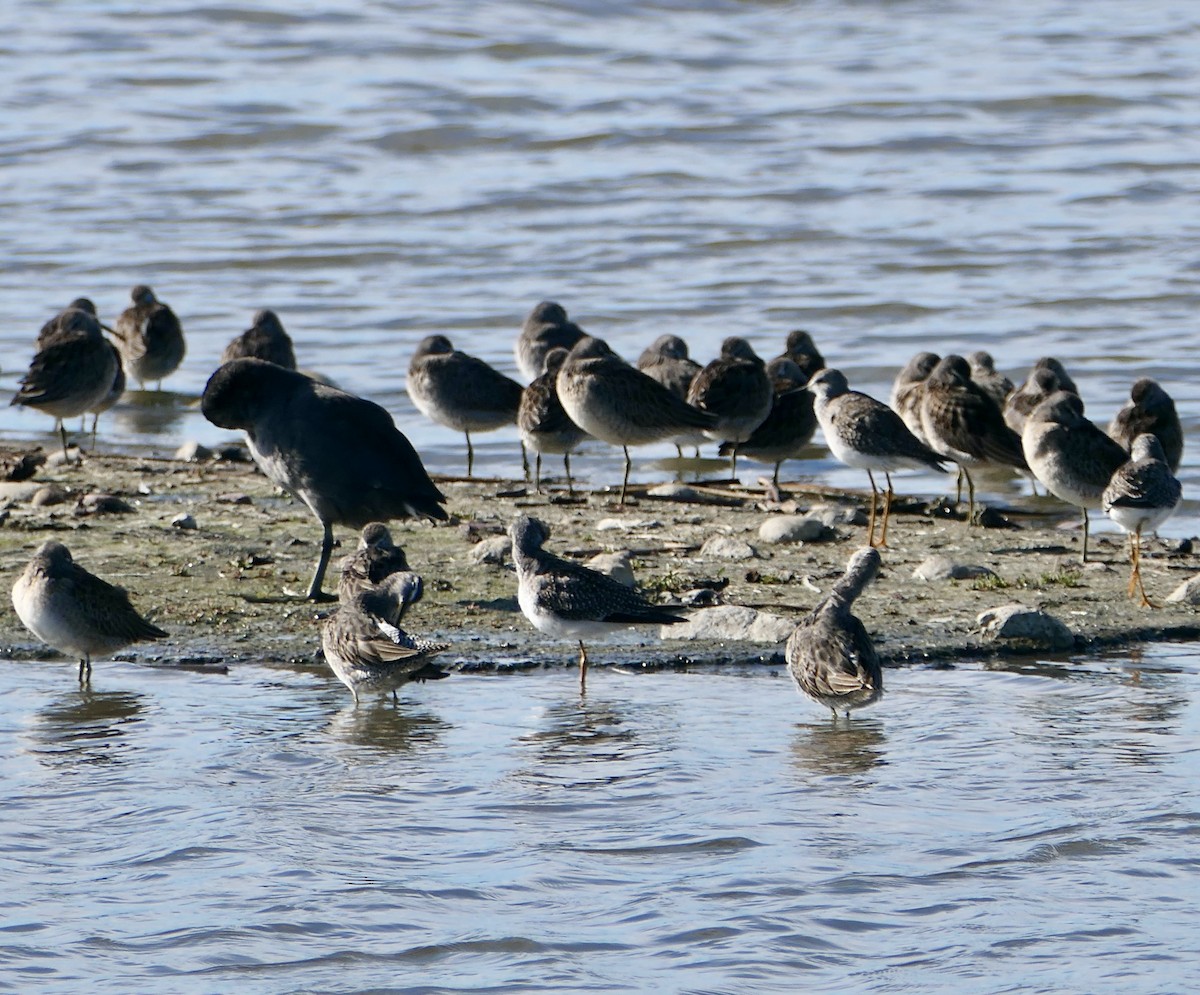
(74, 610)
(265, 339)
(1141, 495)
(340, 454)
(666, 360)
(65, 321)
(983, 372)
(542, 421)
(791, 423)
(460, 391)
(803, 351)
(376, 558)
(908, 388)
(612, 401)
(566, 599)
(1046, 377)
(365, 646)
(1071, 456)
(546, 327)
(149, 337)
(1150, 409)
(736, 389)
(830, 656)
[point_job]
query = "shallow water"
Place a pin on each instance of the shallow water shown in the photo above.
(1018, 177)
(893, 177)
(1028, 828)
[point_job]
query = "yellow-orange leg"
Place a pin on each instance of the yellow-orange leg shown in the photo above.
(583, 664)
(1137, 571)
(871, 524)
(887, 507)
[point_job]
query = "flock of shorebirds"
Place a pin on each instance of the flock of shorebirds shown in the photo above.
(343, 457)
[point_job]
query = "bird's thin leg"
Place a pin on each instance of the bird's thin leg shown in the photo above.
(679, 450)
(871, 524)
(887, 507)
(625, 479)
(1085, 534)
(314, 589)
(567, 469)
(470, 454)
(62, 434)
(95, 420)
(958, 486)
(775, 475)
(971, 496)
(85, 669)
(537, 473)
(733, 462)
(583, 665)
(1137, 567)
(525, 462)
(1133, 566)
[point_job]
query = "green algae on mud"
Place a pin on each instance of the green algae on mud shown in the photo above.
(229, 588)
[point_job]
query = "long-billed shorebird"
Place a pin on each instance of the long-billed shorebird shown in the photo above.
(1141, 495)
(339, 454)
(460, 391)
(736, 389)
(365, 646)
(72, 373)
(74, 610)
(373, 561)
(1149, 409)
(612, 401)
(546, 327)
(961, 422)
(566, 599)
(1070, 455)
(63, 321)
(907, 388)
(802, 350)
(984, 373)
(149, 337)
(791, 424)
(265, 339)
(830, 656)
(866, 434)
(544, 425)
(666, 360)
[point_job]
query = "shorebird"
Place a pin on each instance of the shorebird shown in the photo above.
(1045, 378)
(74, 610)
(339, 454)
(961, 422)
(64, 322)
(375, 559)
(265, 339)
(547, 327)
(72, 372)
(561, 598)
(1070, 455)
(803, 351)
(865, 433)
(150, 338)
(1150, 409)
(983, 372)
(1141, 495)
(736, 389)
(830, 656)
(544, 426)
(365, 646)
(609, 399)
(907, 390)
(791, 424)
(461, 392)
(666, 360)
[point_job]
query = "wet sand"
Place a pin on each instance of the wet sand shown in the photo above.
(229, 589)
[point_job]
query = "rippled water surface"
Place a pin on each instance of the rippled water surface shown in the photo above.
(1020, 177)
(1029, 829)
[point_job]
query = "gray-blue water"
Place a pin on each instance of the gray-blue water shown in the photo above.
(1019, 177)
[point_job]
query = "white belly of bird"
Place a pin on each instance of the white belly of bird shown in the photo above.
(549, 623)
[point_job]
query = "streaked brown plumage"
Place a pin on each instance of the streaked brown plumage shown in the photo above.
(1150, 409)
(905, 398)
(150, 338)
(375, 559)
(736, 389)
(544, 425)
(265, 339)
(790, 426)
(546, 327)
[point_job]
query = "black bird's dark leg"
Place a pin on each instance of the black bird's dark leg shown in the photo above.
(314, 589)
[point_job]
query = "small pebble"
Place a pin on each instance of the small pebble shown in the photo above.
(1188, 592)
(48, 495)
(1028, 626)
(794, 528)
(496, 550)
(193, 452)
(941, 567)
(728, 548)
(102, 504)
(627, 524)
(184, 521)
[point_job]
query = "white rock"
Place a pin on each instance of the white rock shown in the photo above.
(939, 567)
(193, 452)
(838, 514)
(618, 566)
(497, 550)
(728, 548)
(184, 521)
(1026, 625)
(1188, 592)
(794, 528)
(627, 524)
(731, 623)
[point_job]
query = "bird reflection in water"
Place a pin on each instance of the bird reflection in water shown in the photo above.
(86, 726)
(839, 747)
(153, 412)
(384, 725)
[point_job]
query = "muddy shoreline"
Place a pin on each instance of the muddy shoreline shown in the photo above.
(227, 589)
